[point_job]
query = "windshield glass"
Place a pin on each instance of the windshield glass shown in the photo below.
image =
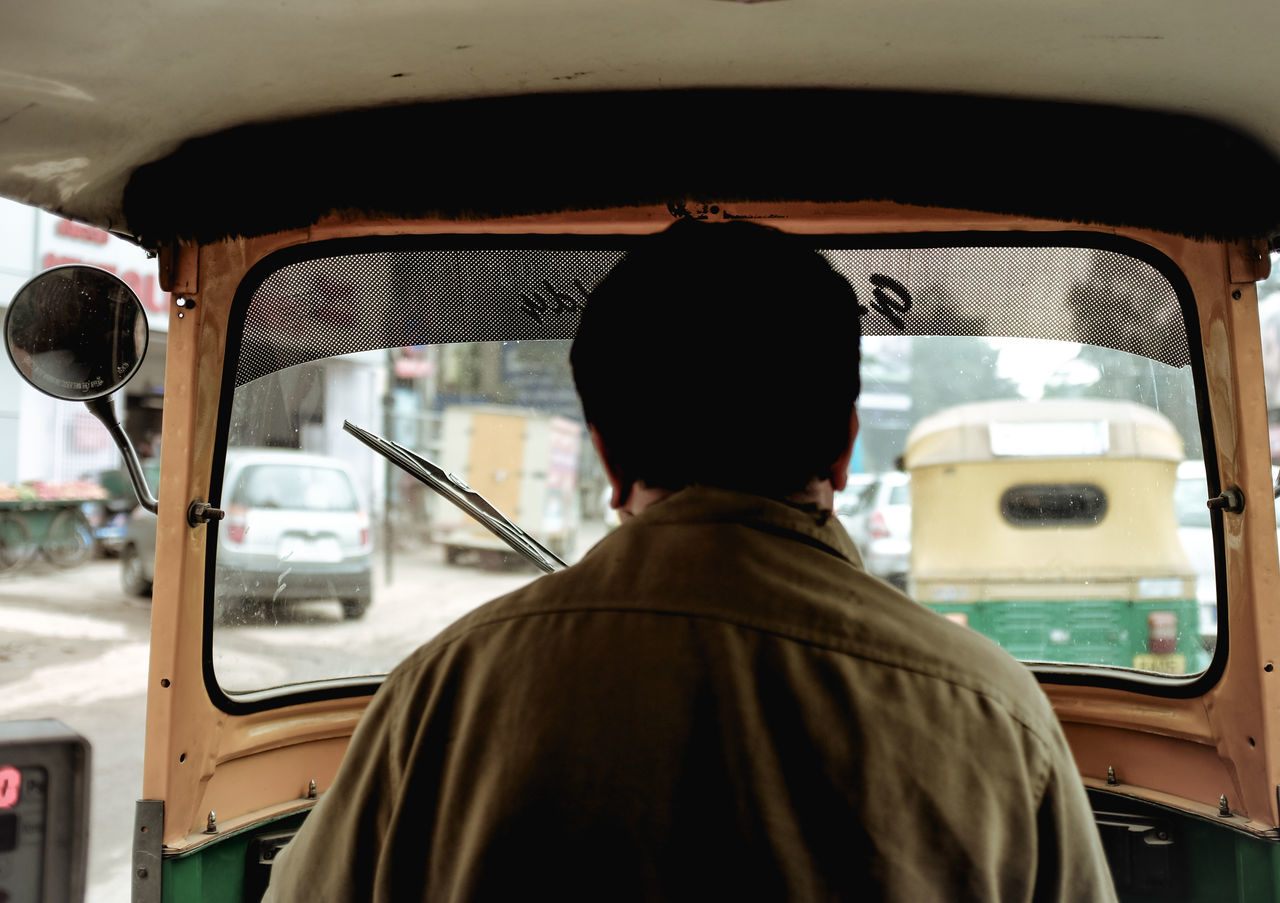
(1026, 417)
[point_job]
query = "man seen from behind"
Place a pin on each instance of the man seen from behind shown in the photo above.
(717, 701)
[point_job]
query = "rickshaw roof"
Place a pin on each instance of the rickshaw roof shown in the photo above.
(198, 120)
(1051, 428)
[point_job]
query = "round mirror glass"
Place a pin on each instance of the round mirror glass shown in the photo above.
(76, 332)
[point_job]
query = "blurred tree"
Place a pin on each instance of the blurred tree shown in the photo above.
(955, 368)
(1123, 303)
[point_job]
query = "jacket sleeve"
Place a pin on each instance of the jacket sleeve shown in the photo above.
(1071, 864)
(334, 856)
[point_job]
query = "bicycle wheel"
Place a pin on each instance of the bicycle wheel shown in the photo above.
(15, 543)
(70, 539)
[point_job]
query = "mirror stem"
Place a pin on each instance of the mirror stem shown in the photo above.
(103, 409)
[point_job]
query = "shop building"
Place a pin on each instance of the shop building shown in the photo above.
(42, 439)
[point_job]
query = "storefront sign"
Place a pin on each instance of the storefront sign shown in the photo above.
(62, 241)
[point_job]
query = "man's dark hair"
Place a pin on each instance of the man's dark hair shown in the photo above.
(720, 354)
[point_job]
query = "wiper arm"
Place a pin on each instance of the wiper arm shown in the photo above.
(460, 494)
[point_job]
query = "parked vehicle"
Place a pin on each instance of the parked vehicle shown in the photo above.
(138, 553)
(1195, 532)
(879, 522)
(295, 529)
(109, 517)
(525, 462)
(137, 546)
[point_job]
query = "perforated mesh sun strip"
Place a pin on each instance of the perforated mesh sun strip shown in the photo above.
(361, 301)
(1099, 297)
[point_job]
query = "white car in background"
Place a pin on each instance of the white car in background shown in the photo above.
(1195, 531)
(294, 530)
(878, 519)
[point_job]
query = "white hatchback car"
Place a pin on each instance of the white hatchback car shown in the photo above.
(294, 530)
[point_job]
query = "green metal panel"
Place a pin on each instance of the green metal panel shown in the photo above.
(221, 871)
(1091, 632)
(1162, 854)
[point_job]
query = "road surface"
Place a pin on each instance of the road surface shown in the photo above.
(74, 646)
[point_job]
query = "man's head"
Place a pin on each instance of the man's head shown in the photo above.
(721, 354)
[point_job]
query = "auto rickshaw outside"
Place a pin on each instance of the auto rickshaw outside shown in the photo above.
(1027, 528)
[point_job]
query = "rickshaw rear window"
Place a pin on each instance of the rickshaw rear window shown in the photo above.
(297, 488)
(1046, 355)
(1053, 505)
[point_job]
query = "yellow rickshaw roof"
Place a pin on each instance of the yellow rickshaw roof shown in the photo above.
(991, 430)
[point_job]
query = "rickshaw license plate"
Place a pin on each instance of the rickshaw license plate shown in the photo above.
(1167, 663)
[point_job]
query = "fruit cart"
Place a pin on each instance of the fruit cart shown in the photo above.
(46, 519)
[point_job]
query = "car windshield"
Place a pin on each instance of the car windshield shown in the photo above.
(1011, 376)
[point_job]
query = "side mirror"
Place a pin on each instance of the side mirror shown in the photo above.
(76, 333)
(79, 333)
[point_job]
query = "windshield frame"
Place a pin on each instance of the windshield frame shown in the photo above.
(1049, 673)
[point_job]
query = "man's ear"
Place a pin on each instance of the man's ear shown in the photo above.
(621, 489)
(840, 468)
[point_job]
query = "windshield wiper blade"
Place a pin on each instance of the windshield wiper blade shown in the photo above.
(460, 494)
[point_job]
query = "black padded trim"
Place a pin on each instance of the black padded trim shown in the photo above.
(545, 153)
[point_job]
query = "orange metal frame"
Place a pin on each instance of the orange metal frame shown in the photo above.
(1185, 752)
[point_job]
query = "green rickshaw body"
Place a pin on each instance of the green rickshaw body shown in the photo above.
(1050, 527)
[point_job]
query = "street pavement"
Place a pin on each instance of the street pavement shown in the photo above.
(74, 646)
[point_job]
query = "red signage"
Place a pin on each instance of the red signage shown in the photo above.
(147, 287)
(10, 784)
(80, 232)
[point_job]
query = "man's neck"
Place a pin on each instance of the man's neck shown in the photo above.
(818, 493)
(641, 497)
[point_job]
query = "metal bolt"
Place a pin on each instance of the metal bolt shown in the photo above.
(141, 873)
(199, 512)
(1224, 811)
(1231, 500)
(212, 826)
(1111, 776)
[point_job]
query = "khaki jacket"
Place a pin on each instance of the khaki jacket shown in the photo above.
(717, 702)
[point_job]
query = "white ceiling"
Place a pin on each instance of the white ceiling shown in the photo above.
(89, 91)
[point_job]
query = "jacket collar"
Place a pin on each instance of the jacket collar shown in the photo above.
(710, 505)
